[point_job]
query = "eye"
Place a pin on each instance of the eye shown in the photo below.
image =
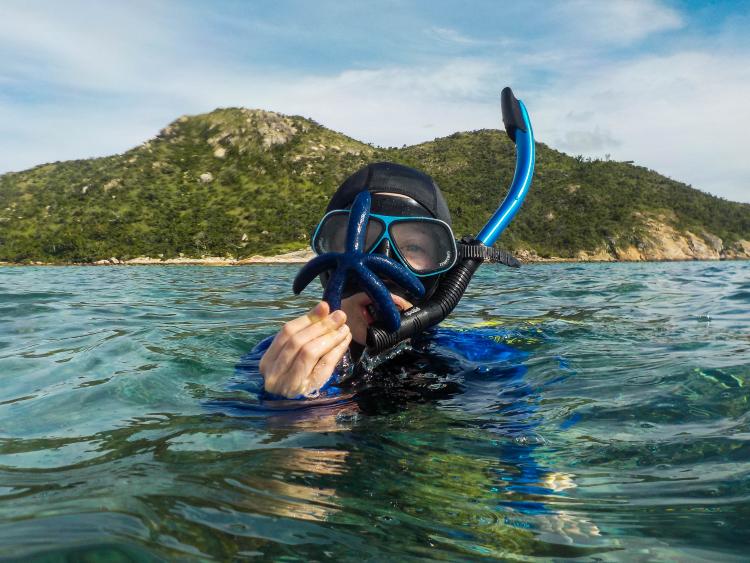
(416, 255)
(414, 248)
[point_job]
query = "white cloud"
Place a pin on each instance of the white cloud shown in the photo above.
(614, 21)
(684, 114)
(390, 106)
(90, 46)
(110, 77)
(451, 36)
(588, 141)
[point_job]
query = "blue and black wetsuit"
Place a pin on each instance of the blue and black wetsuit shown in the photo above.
(439, 363)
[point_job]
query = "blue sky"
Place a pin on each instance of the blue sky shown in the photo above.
(663, 83)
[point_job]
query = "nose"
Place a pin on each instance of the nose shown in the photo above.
(384, 248)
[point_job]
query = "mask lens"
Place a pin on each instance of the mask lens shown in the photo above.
(425, 246)
(331, 235)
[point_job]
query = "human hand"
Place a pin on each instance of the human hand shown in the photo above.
(305, 352)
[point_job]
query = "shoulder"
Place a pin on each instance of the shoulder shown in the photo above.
(477, 344)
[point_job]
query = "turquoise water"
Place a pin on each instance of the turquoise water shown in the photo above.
(614, 426)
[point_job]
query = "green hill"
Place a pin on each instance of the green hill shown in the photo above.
(238, 182)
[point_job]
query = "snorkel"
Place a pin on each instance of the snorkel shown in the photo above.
(393, 328)
(455, 282)
(518, 128)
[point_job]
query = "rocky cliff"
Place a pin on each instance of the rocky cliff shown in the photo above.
(661, 241)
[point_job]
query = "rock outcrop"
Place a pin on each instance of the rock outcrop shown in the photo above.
(738, 250)
(663, 242)
(255, 127)
(274, 129)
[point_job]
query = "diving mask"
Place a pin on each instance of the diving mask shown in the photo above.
(424, 245)
(399, 227)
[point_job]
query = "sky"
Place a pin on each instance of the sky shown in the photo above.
(665, 83)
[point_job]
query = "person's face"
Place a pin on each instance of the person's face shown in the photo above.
(415, 247)
(358, 318)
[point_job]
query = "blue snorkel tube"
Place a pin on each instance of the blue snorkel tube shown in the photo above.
(455, 282)
(518, 128)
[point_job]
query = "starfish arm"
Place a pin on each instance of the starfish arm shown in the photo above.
(335, 288)
(358, 219)
(381, 298)
(312, 269)
(386, 267)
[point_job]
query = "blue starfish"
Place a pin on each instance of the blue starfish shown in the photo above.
(367, 268)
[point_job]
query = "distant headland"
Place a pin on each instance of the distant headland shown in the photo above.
(240, 186)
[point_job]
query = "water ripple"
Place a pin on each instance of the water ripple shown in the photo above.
(613, 422)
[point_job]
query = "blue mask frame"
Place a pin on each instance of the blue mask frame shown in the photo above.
(387, 221)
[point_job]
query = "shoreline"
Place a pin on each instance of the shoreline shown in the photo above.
(295, 257)
(303, 256)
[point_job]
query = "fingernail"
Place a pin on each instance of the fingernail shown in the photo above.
(343, 329)
(316, 313)
(338, 316)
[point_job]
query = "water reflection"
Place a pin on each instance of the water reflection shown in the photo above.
(440, 442)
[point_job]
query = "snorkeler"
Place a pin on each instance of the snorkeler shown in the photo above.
(409, 220)
(391, 267)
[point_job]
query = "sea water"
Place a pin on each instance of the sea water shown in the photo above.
(614, 423)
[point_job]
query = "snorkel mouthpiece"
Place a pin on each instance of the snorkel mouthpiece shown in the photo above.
(368, 269)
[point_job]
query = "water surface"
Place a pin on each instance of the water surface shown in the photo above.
(614, 425)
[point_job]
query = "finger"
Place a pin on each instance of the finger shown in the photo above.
(291, 328)
(302, 381)
(324, 368)
(311, 353)
(320, 311)
(295, 343)
(299, 380)
(328, 324)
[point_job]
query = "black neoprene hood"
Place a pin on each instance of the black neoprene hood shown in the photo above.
(396, 179)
